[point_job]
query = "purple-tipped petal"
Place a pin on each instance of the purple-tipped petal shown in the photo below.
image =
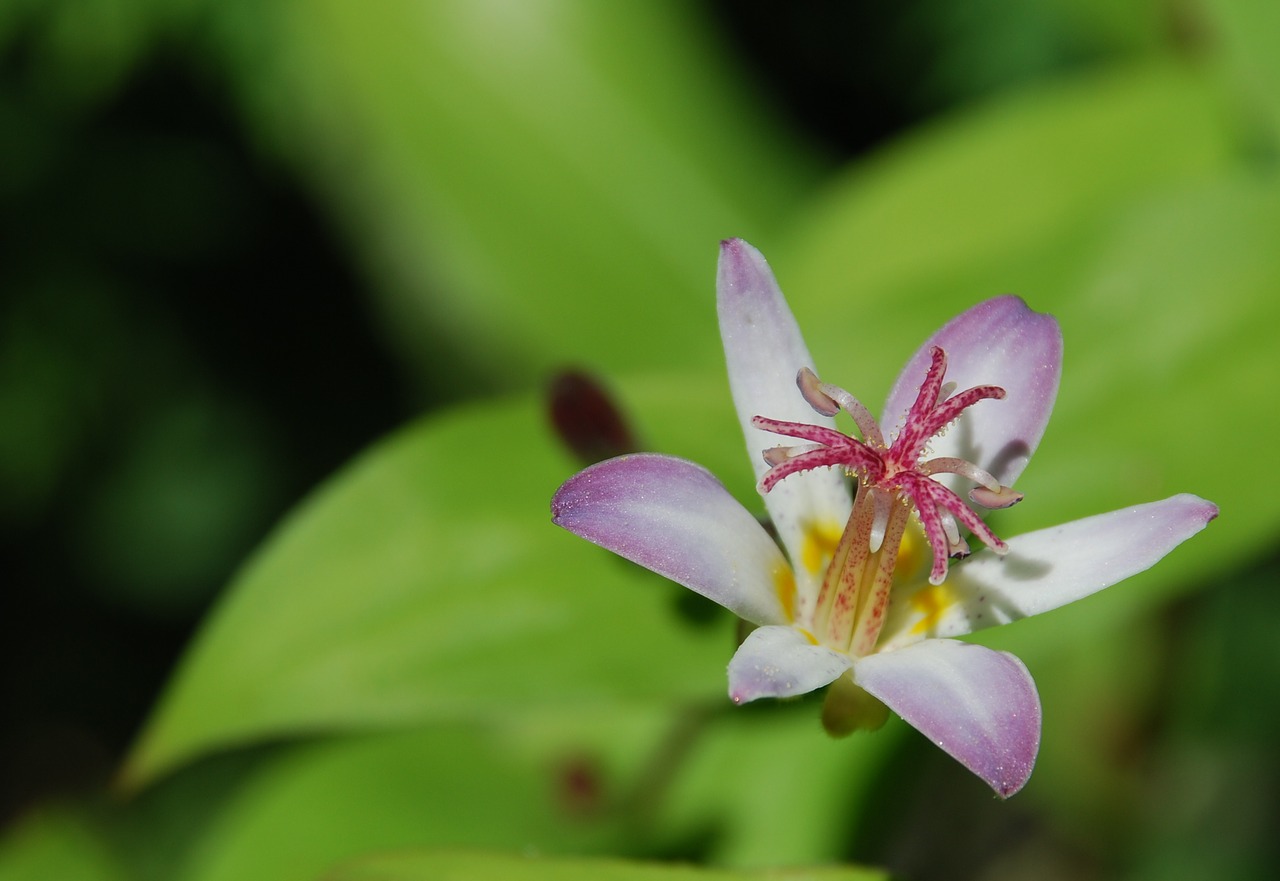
(999, 342)
(979, 705)
(781, 662)
(1046, 569)
(674, 517)
(765, 352)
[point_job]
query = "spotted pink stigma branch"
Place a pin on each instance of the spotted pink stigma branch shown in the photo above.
(892, 481)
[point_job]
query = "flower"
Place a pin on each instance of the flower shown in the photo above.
(862, 595)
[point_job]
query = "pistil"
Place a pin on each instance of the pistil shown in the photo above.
(892, 481)
(841, 590)
(875, 600)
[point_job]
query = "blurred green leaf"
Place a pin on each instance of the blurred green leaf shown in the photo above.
(772, 789)
(760, 788)
(428, 580)
(1217, 741)
(1173, 317)
(86, 49)
(507, 785)
(1098, 708)
(916, 233)
(988, 46)
(1244, 35)
(475, 867)
(56, 843)
(176, 504)
(538, 180)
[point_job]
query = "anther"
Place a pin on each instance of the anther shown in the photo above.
(776, 455)
(811, 388)
(1004, 497)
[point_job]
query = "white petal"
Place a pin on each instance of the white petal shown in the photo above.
(674, 517)
(979, 705)
(998, 342)
(781, 662)
(1044, 570)
(764, 352)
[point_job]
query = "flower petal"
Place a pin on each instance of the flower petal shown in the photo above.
(979, 705)
(674, 517)
(781, 662)
(1045, 569)
(765, 352)
(999, 342)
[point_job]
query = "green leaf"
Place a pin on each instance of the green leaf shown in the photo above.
(774, 788)
(513, 176)
(924, 229)
(56, 843)
(477, 867)
(427, 581)
(1243, 34)
(747, 788)
(1170, 329)
(505, 784)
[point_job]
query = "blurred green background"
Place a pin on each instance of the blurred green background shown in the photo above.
(283, 288)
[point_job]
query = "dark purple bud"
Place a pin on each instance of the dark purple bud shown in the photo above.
(586, 418)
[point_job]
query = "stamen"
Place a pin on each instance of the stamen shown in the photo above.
(778, 455)
(829, 399)
(952, 465)
(1001, 497)
(958, 547)
(881, 521)
(950, 528)
(811, 388)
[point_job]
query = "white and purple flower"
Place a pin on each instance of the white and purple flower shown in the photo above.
(862, 595)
